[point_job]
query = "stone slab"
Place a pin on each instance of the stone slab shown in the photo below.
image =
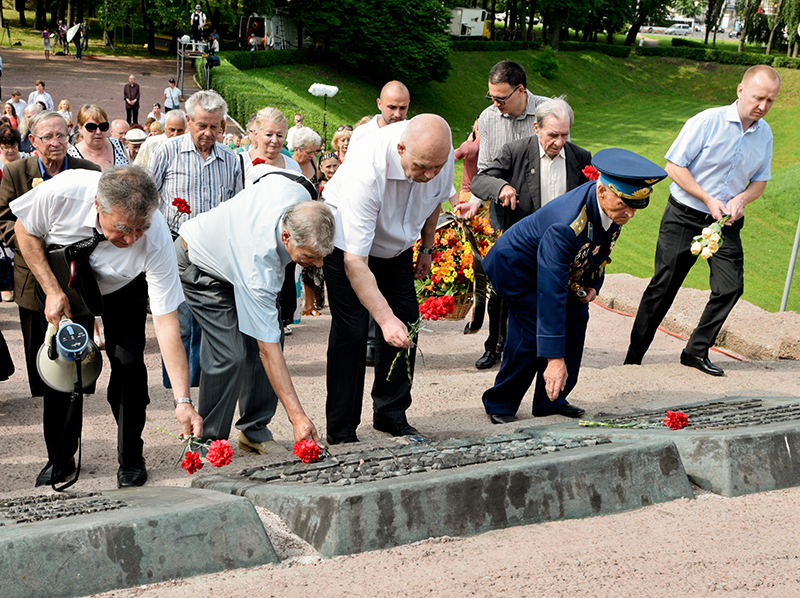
(371, 515)
(124, 538)
(730, 453)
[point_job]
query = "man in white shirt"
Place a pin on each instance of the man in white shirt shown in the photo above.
(132, 259)
(298, 124)
(386, 194)
(231, 262)
(18, 103)
(40, 95)
(393, 105)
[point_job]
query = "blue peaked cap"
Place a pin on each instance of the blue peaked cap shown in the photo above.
(628, 174)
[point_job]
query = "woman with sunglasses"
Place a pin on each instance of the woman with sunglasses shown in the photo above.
(97, 146)
(341, 141)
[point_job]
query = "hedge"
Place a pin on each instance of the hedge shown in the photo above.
(477, 45)
(706, 55)
(609, 49)
(786, 62)
(243, 94)
(244, 60)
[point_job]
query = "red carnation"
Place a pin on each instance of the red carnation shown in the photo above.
(591, 173)
(676, 420)
(182, 206)
(192, 462)
(220, 453)
(307, 451)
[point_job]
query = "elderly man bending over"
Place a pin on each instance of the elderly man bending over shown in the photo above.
(132, 259)
(232, 261)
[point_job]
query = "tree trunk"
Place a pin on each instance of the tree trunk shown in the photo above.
(776, 22)
(40, 20)
(491, 25)
(522, 22)
(555, 30)
(633, 32)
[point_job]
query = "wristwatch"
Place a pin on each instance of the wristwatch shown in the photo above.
(426, 250)
(180, 400)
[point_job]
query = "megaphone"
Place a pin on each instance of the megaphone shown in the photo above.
(67, 356)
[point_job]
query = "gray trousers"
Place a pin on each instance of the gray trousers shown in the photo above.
(231, 369)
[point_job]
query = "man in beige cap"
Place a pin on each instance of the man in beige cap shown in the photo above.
(135, 138)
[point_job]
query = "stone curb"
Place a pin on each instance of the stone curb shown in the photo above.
(146, 535)
(586, 481)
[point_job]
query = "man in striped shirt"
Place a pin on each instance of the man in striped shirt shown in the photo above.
(202, 171)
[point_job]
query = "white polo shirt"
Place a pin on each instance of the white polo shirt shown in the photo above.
(61, 211)
(365, 130)
(239, 242)
(379, 211)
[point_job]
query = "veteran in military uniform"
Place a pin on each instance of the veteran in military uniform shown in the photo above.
(548, 267)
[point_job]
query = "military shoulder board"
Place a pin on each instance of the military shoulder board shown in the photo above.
(580, 222)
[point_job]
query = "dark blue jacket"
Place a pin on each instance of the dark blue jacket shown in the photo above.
(539, 263)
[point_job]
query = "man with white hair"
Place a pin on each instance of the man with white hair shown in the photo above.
(388, 192)
(202, 171)
(174, 125)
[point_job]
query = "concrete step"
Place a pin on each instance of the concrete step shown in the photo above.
(72, 545)
(342, 505)
(732, 446)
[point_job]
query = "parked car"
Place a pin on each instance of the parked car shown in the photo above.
(679, 29)
(734, 33)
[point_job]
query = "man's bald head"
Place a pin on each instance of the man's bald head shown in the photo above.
(393, 103)
(425, 147)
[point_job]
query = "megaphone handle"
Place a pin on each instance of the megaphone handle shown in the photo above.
(76, 397)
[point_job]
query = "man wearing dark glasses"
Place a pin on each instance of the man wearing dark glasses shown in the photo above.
(511, 117)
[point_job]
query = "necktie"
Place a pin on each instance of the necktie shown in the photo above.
(87, 245)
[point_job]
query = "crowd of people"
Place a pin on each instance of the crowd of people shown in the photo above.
(211, 234)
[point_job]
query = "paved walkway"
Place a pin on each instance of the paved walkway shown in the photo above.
(95, 79)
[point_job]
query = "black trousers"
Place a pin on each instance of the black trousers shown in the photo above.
(30, 322)
(347, 344)
(673, 261)
(132, 114)
(124, 326)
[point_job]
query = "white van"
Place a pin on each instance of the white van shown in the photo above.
(679, 29)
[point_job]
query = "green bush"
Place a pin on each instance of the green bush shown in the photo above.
(786, 62)
(546, 64)
(706, 55)
(685, 41)
(243, 94)
(608, 49)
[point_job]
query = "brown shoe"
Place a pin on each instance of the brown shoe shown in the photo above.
(270, 447)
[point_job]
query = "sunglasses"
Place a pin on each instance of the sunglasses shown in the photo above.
(92, 127)
(501, 101)
(345, 128)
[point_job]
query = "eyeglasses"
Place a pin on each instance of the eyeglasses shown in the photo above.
(61, 137)
(8, 148)
(92, 127)
(344, 128)
(501, 101)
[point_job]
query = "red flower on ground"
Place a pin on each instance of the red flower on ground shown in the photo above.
(192, 462)
(591, 173)
(182, 206)
(676, 420)
(220, 453)
(307, 451)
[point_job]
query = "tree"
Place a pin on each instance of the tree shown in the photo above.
(713, 17)
(792, 17)
(775, 19)
(386, 39)
(643, 10)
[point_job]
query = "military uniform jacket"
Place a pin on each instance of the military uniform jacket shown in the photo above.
(18, 179)
(518, 166)
(539, 263)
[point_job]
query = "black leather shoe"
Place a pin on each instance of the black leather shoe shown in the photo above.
(500, 418)
(401, 429)
(568, 410)
(331, 440)
(487, 360)
(132, 475)
(370, 356)
(55, 473)
(701, 363)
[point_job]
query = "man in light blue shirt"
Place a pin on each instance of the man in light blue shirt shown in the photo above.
(719, 163)
(231, 261)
